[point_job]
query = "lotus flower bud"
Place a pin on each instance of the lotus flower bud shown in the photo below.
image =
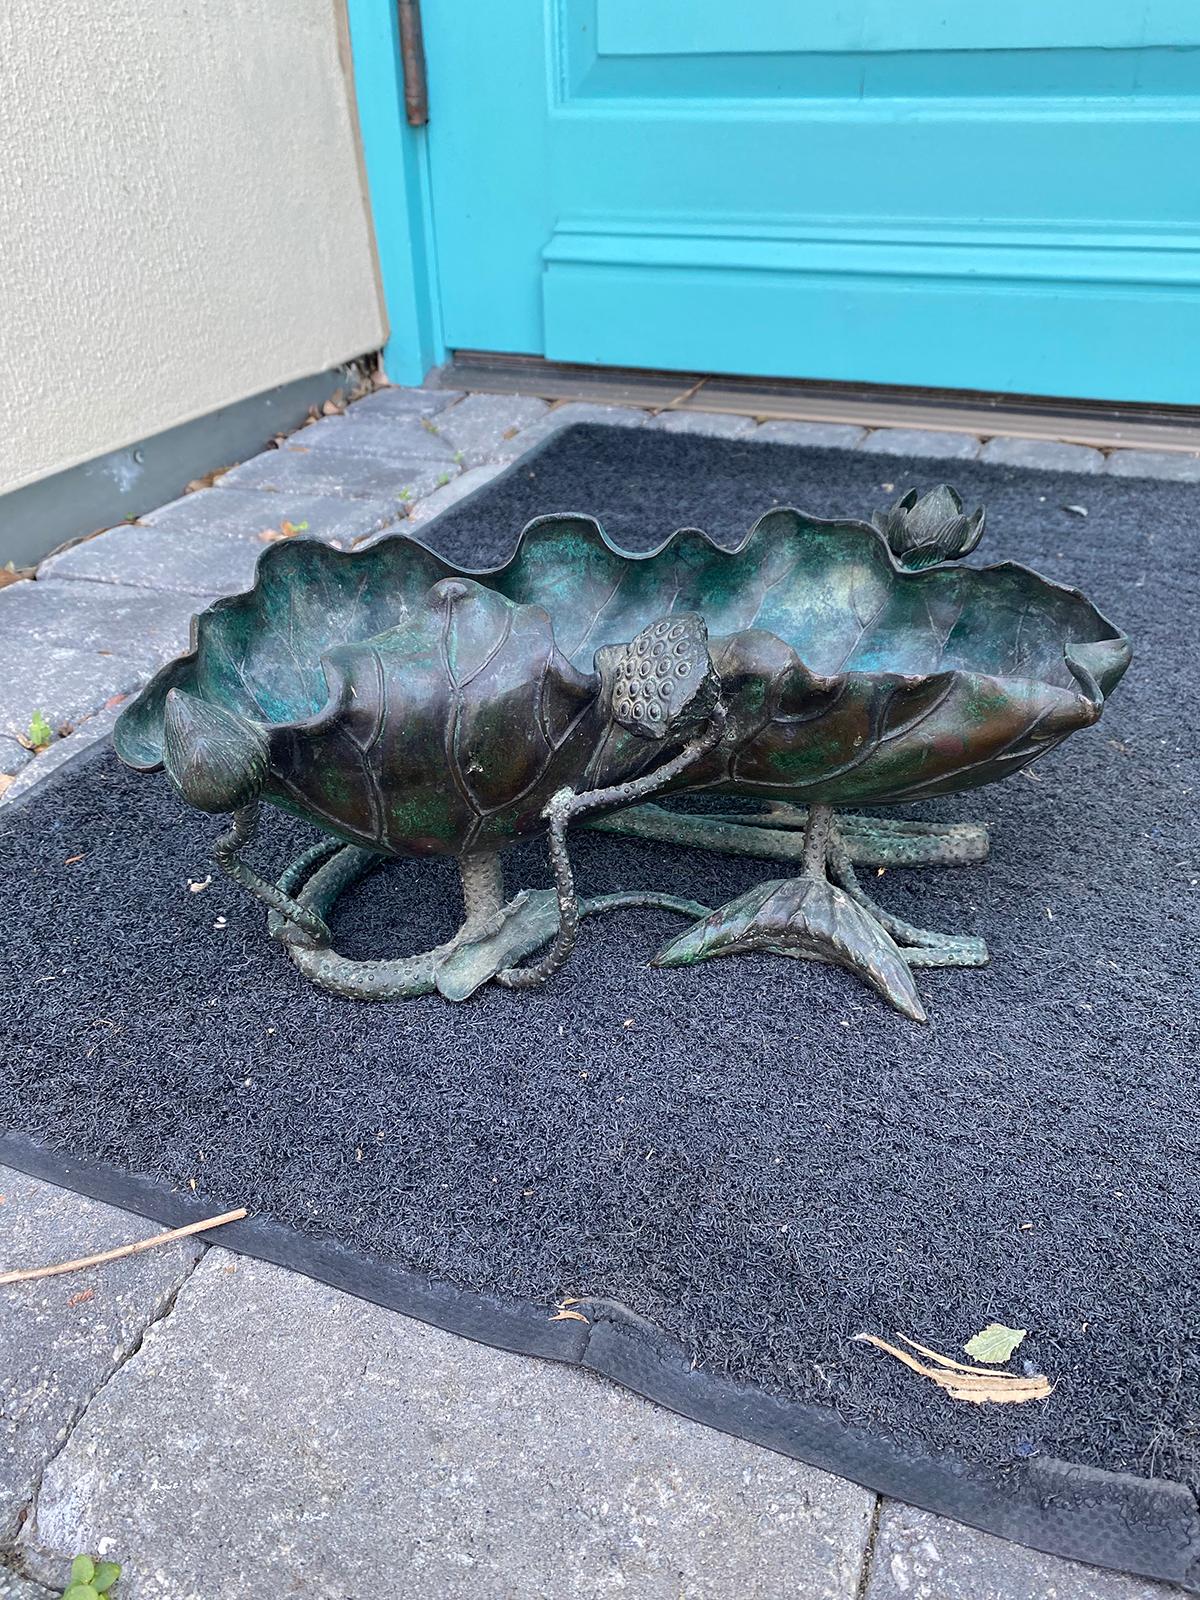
(214, 758)
(934, 528)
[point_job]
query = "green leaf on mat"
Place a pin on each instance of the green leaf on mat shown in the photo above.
(80, 1591)
(107, 1574)
(995, 1344)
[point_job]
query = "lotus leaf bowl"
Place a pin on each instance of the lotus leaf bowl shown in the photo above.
(407, 707)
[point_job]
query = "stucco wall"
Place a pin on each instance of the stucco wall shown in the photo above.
(182, 216)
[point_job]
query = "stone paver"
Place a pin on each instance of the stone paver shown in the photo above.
(199, 550)
(1047, 454)
(13, 755)
(354, 477)
(143, 627)
(819, 435)
(406, 402)
(247, 512)
(917, 1556)
(713, 424)
(38, 768)
(1154, 464)
(63, 685)
(484, 427)
(62, 1339)
(921, 442)
(451, 493)
(14, 1588)
(402, 439)
(146, 558)
(277, 1437)
(66, 648)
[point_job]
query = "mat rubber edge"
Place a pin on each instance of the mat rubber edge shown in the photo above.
(1137, 1525)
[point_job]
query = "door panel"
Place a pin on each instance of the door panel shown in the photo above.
(718, 27)
(924, 195)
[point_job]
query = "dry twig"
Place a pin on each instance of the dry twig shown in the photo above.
(26, 1274)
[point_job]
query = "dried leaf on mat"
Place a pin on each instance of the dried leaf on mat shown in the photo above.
(966, 1383)
(562, 1315)
(995, 1344)
(943, 1361)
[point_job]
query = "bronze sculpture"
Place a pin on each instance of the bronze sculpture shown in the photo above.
(407, 708)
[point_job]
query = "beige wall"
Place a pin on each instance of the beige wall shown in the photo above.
(182, 216)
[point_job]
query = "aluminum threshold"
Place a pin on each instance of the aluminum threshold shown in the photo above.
(1101, 424)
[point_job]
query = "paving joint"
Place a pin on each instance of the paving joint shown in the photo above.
(14, 1552)
(866, 1570)
(11, 1562)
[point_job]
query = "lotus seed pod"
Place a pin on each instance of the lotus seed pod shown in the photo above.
(214, 758)
(665, 682)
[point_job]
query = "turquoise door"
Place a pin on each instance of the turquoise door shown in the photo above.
(983, 196)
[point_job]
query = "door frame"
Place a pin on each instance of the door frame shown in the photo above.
(396, 159)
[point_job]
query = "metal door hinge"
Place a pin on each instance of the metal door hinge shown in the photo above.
(412, 59)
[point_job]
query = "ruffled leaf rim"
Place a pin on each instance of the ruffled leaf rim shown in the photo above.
(1096, 666)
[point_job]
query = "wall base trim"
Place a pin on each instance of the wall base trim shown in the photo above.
(119, 486)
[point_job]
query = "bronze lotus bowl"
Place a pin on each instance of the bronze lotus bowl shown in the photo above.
(406, 707)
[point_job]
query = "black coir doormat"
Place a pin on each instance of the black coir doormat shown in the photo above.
(736, 1166)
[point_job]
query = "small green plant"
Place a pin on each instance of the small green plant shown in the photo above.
(443, 479)
(430, 427)
(40, 731)
(90, 1580)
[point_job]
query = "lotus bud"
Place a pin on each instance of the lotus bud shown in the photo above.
(215, 759)
(664, 682)
(923, 532)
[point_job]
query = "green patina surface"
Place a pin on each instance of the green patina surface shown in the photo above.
(414, 709)
(408, 709)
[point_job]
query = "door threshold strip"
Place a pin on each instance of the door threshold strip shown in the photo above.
(1101, 424)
